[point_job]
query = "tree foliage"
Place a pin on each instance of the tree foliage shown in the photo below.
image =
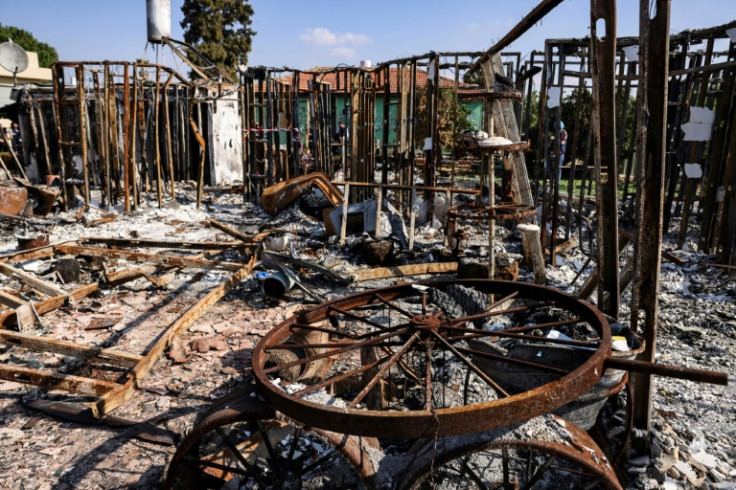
(219, 30)
(47, 55)
(452, 118)
(582, 120)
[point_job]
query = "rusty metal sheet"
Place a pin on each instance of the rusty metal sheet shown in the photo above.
(13, 200)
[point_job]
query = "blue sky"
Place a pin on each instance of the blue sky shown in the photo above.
(303, 34)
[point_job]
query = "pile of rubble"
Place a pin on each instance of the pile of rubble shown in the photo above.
(692, 444)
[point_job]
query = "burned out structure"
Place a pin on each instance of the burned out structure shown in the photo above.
(440, 384)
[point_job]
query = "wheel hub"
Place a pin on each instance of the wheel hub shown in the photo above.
(426, 322)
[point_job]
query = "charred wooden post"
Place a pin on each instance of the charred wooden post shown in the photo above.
(386, 125)
(709, 203)
(431, 145)
(126, 137)
(574, 140)
(651, 121)
(82, 113)
(65, 150)
(132, 164)
(156, 137)
(542, 140)
(603, 58)
(556, 160)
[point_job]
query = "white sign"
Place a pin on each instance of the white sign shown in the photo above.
(631, 52)
(700, 126)
(553, 97)
(732, 34)
(693, 170)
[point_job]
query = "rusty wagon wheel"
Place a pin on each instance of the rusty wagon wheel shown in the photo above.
(551, 453)
(485, 213)
(400, 357)
(243, 443)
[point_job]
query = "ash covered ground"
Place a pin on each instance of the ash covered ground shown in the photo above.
(694, 430)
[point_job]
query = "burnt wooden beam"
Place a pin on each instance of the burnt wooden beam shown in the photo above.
(67, 348)
(524, 25)
(56, 381)
(131, 256)
(50, 304)
(116, 396)
(31, 281)
(148, 243)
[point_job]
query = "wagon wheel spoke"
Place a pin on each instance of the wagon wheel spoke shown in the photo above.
(505, 462)
(428, 380)
(340, 333)
(539, 473)
(472, 333)
(388, 303)
(358, 318)
(325, 457)
(366, 343)
(294, 442)
(381, 372)
(543, 325)
(507, 311)
(267, 442)
(341, 377)
(213, 465)
(479, 372)
(232, 446)
(511, 360)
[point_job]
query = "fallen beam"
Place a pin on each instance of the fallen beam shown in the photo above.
(67, 348)
(117, 396)
(10, 300)
(117, 278)
(131, 256)
(50, 304)
(32, 281)
(56, 381)
(404, 270)
(231, 231)
(143, 242)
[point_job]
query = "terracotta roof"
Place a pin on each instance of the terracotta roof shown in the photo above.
(331, 78)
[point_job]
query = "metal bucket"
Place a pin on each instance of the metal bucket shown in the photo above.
(277, 284)
(516, 379)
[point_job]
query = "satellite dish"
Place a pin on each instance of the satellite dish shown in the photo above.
(13, 58)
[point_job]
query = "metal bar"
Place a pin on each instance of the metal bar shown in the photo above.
(603, 59)
(667, 370)
(652, 126)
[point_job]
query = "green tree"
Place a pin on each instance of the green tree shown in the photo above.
(452, 119)
(47, 55)
(219, 30)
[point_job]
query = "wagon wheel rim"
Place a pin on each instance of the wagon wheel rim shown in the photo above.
(259, 448)
(556, 452)
(418, 329)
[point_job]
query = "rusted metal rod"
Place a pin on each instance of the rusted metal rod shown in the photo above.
(668, 370)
